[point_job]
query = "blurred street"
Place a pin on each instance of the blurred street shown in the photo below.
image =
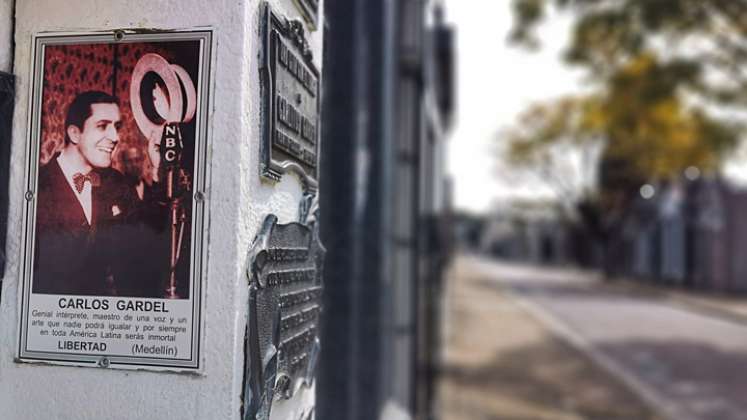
(538, 343)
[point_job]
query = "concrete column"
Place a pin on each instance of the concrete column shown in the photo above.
(238, 199)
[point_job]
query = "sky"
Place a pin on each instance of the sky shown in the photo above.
(495, 82)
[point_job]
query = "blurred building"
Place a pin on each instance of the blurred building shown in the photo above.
(691, 233)
(467, 230)
(534, 233)
(388, 102)
(672, 234)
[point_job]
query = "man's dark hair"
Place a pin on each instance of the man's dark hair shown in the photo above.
(80, 109)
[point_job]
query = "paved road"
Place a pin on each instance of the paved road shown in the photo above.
(500, 362)
(691, 365)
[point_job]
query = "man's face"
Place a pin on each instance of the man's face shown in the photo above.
(100, 134)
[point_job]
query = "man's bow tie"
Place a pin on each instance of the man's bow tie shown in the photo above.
(80, 180)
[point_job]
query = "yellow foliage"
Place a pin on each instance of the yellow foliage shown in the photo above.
(640, 117)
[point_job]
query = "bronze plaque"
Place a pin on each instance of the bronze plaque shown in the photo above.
(285, 293)
(291, 102)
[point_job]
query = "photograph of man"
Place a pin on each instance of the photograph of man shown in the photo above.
(98, 232)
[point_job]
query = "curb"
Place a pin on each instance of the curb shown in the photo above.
(648, 394)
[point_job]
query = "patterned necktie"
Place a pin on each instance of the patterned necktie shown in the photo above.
(79, 180)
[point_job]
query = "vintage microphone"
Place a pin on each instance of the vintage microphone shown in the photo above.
(163, 97)
(171, 153)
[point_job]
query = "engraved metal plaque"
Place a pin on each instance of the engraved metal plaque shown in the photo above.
(291, 102)
(285, 292)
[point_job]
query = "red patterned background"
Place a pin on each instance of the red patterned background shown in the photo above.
(72, 69)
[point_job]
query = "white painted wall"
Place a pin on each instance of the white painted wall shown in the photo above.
(238, 202)
(6, 38)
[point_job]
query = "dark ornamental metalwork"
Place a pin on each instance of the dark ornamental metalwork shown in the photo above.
(310, 11)
(291, 101)
(285, 292)
(7, 102)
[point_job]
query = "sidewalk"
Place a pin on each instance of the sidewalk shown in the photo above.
(501, 363)
(720, 305)
(731, 308)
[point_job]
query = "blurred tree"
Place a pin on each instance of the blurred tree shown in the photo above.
(662, 74)
(556, 144)
(665, 80)
(608, 34)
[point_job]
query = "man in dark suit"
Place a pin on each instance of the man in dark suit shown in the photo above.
(94, 234)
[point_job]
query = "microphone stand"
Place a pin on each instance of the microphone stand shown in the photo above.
(177, 216)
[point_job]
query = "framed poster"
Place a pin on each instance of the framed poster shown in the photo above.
(114, 221)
